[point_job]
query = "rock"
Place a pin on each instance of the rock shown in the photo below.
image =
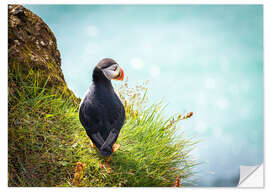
(32, 45)
(42, 43)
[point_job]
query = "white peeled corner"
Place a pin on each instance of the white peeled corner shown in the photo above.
(251, 176)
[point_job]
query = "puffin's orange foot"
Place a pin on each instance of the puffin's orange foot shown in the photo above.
(115, 147)
(106, 165)
(92, 145)
(108, 160)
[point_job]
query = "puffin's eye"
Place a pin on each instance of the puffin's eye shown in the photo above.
(112, 67)
(105, 66)
(115, 67)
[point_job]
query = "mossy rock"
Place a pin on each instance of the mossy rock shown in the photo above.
(32, 46)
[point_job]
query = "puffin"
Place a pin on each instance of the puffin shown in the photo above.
(101, 112)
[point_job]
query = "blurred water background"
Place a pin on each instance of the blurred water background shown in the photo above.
(207, 59)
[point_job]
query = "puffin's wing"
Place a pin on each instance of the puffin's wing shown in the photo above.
(119, 118)
(111, 139)
(90, 123)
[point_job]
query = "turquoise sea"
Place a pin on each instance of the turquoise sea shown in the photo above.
(207, 59)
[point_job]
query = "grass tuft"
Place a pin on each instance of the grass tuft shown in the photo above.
(47, 146)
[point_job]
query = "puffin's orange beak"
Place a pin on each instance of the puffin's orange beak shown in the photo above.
(121, 76)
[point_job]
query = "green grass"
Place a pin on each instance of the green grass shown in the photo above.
(46, 139)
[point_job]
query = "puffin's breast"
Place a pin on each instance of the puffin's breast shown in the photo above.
(110, 108)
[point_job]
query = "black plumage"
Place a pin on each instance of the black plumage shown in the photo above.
(101, 112)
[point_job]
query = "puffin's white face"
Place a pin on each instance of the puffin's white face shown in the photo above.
(113, 71)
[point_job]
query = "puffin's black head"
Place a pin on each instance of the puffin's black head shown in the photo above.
(109, 69)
